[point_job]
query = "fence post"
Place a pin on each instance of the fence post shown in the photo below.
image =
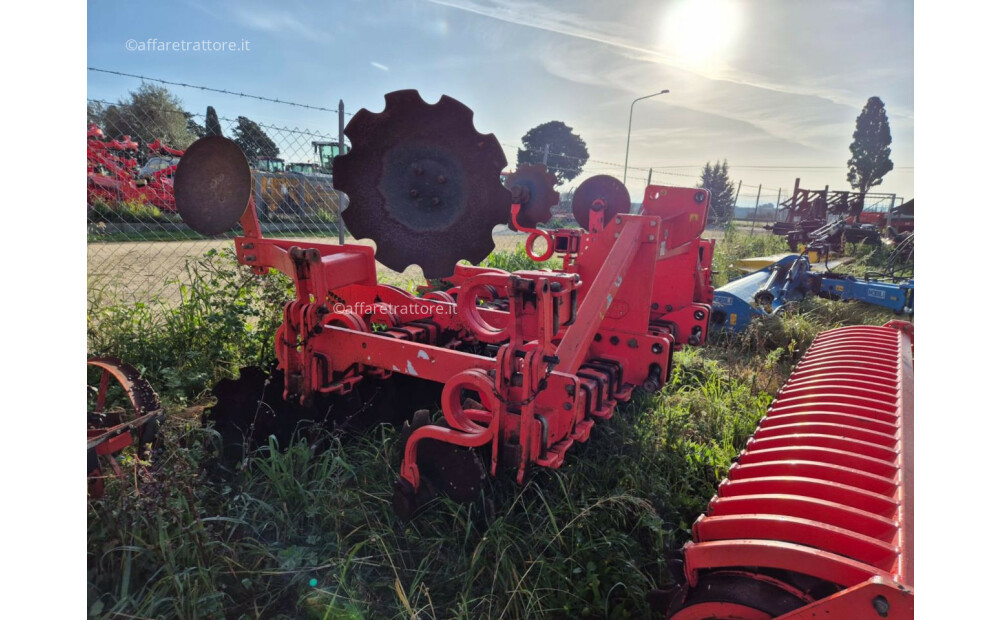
(737, 196)
(340, 195)
(756, 204)
(649, 179)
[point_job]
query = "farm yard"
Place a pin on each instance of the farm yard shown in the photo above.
(499, 309)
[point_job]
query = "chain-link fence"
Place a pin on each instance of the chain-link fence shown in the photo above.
(137, 244)
(138, 247)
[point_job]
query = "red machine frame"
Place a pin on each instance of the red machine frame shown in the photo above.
(571, 343)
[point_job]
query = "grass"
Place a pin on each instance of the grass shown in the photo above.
(736, 244)
(226, 319)
(99, 231)
(127, 211)
(588, 540)
(312, 535)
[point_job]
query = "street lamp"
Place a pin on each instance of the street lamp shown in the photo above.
(628, 140)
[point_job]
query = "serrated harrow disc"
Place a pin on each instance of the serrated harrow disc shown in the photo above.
(533, 187)
(422, 183)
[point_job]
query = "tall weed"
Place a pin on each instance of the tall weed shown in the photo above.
(226, 319)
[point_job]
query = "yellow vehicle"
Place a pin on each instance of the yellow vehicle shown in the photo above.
(302, 189)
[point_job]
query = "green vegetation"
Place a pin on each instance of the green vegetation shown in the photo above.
(870, 151)
(734, 245)
(128, 211)
(716, 180)
(518, 259)
(323, 226)
(226, 319)
(304, 534)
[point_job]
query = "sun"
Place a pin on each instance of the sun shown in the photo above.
(701, 34)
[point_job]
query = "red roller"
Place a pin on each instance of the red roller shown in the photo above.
(815, 519)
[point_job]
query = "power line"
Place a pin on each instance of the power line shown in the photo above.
(216, 90)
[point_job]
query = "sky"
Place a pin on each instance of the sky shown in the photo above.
(772, 86)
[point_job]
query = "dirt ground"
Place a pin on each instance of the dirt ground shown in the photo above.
(145, 270)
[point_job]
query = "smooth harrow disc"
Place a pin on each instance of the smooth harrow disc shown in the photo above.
(422, 183)
(600, 193)
(212, 185)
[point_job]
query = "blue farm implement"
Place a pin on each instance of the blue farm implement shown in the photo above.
(790, 279)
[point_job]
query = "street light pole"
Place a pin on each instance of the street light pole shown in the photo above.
(628, 139)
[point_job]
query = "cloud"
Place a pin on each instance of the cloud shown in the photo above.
(543, 17)
(792, 120)
(275, 22)
(379, 65)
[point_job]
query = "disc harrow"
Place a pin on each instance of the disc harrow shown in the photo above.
(815, 518)
(521, 365)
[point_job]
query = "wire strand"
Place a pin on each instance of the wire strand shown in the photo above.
(216, 90)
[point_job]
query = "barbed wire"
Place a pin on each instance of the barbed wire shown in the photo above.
(216, 90)
(305, 132)
(616, 167)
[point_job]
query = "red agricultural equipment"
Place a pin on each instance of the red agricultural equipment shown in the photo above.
(113, 174)
(521, 364)
(815, 519)
(832, 217)
(122, 411)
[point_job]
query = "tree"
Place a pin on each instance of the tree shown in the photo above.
(251, 138)
(151, 112)
(567, 151)
(716, 180)
(869, 161)
(95, 112)
(212, 125)
(193, 127)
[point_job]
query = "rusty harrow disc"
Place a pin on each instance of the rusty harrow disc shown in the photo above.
(533, 187)
(600, 193)
(422, 183)
(251, 408)
(212, 185)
